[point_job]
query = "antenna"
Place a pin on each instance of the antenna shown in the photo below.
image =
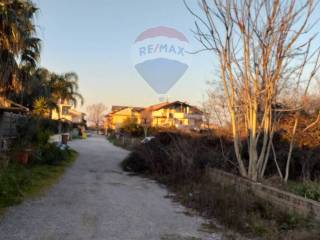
(163, 98)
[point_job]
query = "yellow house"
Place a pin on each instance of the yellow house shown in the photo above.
(173, 114)
(66, 112)
(121, 115)
(164, 115)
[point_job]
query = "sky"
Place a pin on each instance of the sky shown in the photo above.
(94, 39)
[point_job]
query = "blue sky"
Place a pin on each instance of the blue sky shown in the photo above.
(94, 39)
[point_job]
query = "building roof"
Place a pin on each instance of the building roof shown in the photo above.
(74, 112)
(158, 106)
(155, 107)
(7, 105)
(115, 109)
(168, 104)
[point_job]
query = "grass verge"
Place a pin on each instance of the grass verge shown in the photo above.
(307, 189)
(18, 182)
(125, 143)
(242, 212)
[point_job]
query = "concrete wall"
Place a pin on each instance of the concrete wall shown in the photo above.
(284, 200)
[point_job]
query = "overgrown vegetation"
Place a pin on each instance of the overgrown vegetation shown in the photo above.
(180, 161)
(18, 182)
(130, 128)
(128, 143)
(307, 189)
(241, 211)
(45, 161)
(32, 163)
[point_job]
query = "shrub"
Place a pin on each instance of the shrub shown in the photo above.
(132, 128)
(177, 155)
(306, 189)
(50, 154)
(134, 163)
(180, 161)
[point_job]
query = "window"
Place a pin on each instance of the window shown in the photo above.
(65, 110)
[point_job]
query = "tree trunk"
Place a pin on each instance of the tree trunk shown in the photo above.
(290, 150)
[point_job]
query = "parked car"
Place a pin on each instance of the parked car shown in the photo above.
(147, 139)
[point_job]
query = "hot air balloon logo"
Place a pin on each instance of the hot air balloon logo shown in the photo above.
(160, 56)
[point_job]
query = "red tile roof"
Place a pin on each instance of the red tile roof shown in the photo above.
(155, 107)
(167, 104)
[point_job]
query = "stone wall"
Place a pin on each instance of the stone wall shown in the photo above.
(284, 200)
(8, 131)
(8, 122)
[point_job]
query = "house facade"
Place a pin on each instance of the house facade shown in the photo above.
(66, 112)
(173, 115)
(120, 115)
(176, 114)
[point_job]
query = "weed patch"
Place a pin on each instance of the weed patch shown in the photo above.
(18, 182)
(307, 189)
(179, 163)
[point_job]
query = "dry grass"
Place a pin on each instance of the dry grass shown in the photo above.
(181, 164)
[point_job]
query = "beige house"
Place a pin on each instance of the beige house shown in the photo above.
(173, 115)
(164, 115)
(66, 112)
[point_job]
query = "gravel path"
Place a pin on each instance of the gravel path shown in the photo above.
(96, 200)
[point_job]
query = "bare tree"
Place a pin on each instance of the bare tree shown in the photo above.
(263, 47)
(217, 107)
(146, 121)
(95, 114)
(207, 114)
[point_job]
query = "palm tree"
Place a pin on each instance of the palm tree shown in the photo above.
(40, 107)
(20, 78)
(65, 87)
(18, 44)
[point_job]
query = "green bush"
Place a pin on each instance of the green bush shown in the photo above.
(306, 189)
(132, 129)
(37, 130)
(31, 133)
(34, 133)
(51, 154)
(18, 181)
(42, 137)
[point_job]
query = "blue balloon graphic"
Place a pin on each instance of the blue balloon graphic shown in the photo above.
(161, 74)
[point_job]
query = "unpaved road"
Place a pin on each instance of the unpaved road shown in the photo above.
(96, 200)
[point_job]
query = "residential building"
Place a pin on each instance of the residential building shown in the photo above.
(119, 115)
(164, 115)
(173, 115)
(66, 112)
